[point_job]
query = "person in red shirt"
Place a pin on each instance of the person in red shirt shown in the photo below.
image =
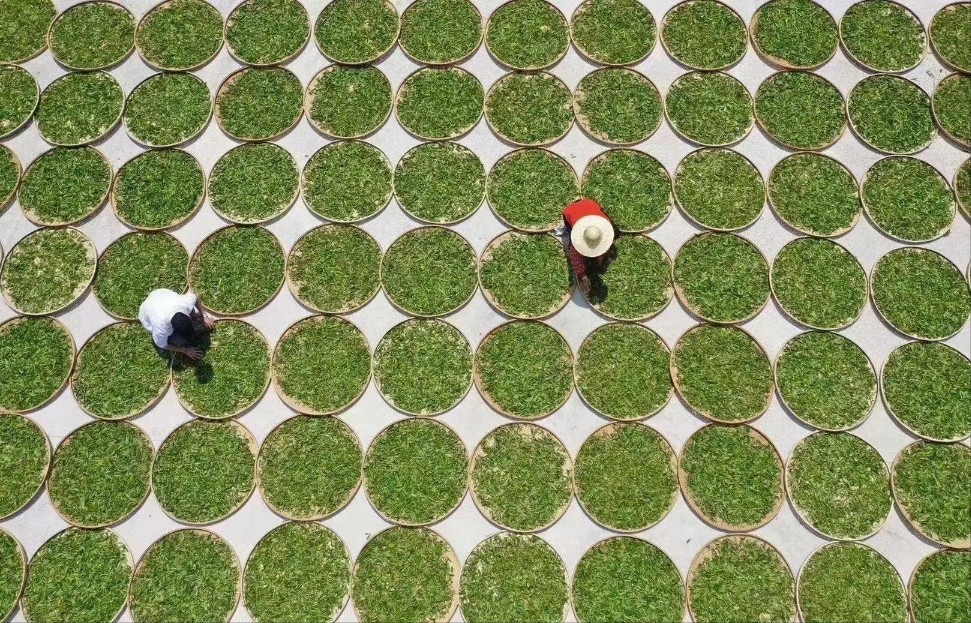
(592, 235)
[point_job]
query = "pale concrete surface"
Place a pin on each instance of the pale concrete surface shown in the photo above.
(681, 534)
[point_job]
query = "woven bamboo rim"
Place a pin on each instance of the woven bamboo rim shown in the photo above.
(77, 369)
(706, 553)
(913, 577)
(480, 452)
(120, 542)
(788, 146)
(229, 48)
(964, 544)
(148, 481)
(315, 526)
(490, 248)
(876, 306)
(202, 247)
(965, 209)
(113, 195)
(694, 311)
(792, 412)
(776, 61)
(680, 388)
(22, 555)
(603, 156)
(294, 403)
(696, 506)
(255, 221)
(260, 459)
(188, 406)
(566, 48)
(377, 377)
(487, 397)
(684, 4)
(869, 213)
(803, 230)
(930, 37)
(417, 232)
(896, 418)
(398, 521)
(293, 286)
(94, 286)
(310, 96)
(453, 61)
(679, 171)
(4, 326)
(684, 605)
(804, 519)
(243, 433)
(47, 461)
(453, 562)
(608, 430)
(116, 241)
(856, 131)
(88, 139)
(539, 75)
(386, 52)
(688, 139)
(39, 51)
(322, 152)
(949, 134)
(79, 291)
(868, 68)
(158, 8)
(583, 7)
(36, 220)
(668, 292)
(149, 145)
(790, 315)
(403, 91)
(512, 156)
(204, 534)
(584, 122)
(579, 385)
(526, 537)
(457, 147)
(114, 5)
(802, 617)
(229, 81)
(19, 168)
(26, 121)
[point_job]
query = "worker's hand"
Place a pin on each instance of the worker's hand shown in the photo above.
(191, 352)
(209, 321)
(585, 285)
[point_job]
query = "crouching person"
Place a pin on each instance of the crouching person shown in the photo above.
(176, 321)
(592, 236)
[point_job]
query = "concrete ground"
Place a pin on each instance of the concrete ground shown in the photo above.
(681, 534)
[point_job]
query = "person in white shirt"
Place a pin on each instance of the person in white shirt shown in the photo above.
(169, 317)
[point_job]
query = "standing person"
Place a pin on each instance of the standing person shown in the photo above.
(172, 320)
(592, 235)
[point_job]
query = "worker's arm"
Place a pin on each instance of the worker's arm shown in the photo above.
(207, 320)
(191, 352)
(579, 264)
(161, 339)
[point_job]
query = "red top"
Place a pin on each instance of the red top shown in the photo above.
(571, 214)
(585, 207)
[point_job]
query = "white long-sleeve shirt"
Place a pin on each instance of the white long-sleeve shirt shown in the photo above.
(157, 310)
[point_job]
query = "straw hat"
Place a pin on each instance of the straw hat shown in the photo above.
(592, 235)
